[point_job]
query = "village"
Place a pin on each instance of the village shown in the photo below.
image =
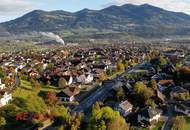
(80, 87)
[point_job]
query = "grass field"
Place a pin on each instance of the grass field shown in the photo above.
(187, 125)
(158, 126)
(115, 74)
(139, 71)
(25, 89)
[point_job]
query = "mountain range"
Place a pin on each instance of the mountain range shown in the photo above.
(142, 20)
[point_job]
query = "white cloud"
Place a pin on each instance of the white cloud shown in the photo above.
(15, 7)
(172, 5)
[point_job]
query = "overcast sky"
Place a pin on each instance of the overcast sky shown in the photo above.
(11, 9)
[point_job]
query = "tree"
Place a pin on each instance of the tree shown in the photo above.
(118, 124)
(139, 87)
(109, 72)
(147, 93)
(179, 123)
(120, 67)
(153, 84)
(65, 120)
(60, 111)
(51, 99)
(96, 106)
(147, 58)
(181, 96)
(103, 76)
(36, 104)
(36, 85)
(61, 127)
(107, 119)
(143, 92)
(50, 66)
(9, 112)
(2, 121)
(162, 61)
(120, 94)
(150, 102)
(2, 74)
(74, 121)
(62, 83)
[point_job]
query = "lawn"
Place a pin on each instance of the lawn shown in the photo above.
(158, 126)
(187, 125)
(139, 71)
(115, 74)
(25, 89)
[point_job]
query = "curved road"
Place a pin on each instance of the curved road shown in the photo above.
(101, 93)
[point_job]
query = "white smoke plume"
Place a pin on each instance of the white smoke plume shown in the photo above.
(53, 36)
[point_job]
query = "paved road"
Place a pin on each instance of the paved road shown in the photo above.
(169, 122)
(101, 93)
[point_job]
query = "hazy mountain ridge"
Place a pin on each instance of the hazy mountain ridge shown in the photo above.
(145, 20)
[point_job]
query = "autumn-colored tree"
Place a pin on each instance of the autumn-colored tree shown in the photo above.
(2, 122)
(120, 67)
(181, 96)
(62, 83)
(61, 127)
(154, 53)
(153, 84)
(136, 60)
(185, 70)
(48, 82)
(2, 73)
(139, 87)
(143, 92)
(118, 124)
(109, 72)
(36, 104)
(66, 121)
(51, 99)
(179, 123)
(147, 93)
(150, 102)
(120, 94)
(36, 85)
(74, 122)
(107, 119)
(147, 58)
(103, 76)
(162, 61)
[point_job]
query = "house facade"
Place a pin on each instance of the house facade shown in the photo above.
(125, 108)
(148, 115)
(5, 98)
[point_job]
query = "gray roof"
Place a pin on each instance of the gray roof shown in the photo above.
(149, 112)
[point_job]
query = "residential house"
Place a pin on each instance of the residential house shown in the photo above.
(68, 78)
(85, 78)
(125, 108)
(128, 88)
(148, 115)
(165, 84)
(2, 86)
(33, 73)
(5, 97)
(177, 92)
(186, 86)
(69, 93)
(182, 108)
(100, 66)
(158, 77)
(160, 97)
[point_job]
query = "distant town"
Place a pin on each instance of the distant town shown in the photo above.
(95, 87)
